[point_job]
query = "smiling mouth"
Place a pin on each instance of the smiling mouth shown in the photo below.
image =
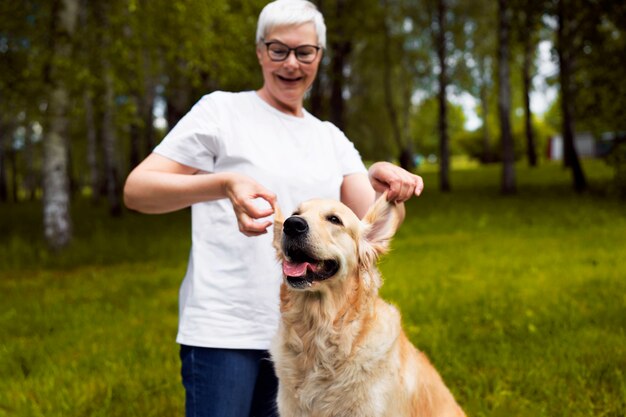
(301, 270)
(289, 80)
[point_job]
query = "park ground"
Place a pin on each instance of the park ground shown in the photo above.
(519, 301)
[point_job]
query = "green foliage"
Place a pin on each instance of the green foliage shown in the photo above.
(188, 48)
(425, 126)
(470, 143)
(518, 301)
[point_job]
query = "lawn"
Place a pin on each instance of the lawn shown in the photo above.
(519, 301)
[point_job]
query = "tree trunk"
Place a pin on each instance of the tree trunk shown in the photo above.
(486, 157)
(4, 189)
(504, 100)
(564, 50)
(135, 133)
(531, 151)
(405, 147)
(142, 139)
(107, 127)
(340, 52)
(340, 48)
(146, 105)
(56, 198)
(444, 140)
(92, 147)
(531, 148)
(177, 96)
(30, 176)
(14, 175)
(109, 145)
(316, 94)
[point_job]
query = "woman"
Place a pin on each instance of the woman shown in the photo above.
(233, 158)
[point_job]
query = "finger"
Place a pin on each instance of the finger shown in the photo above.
(249, 227)
(268, 196)
(419, 188)
(252, 209)
(395, 185)
(406, 190)
(258, 212)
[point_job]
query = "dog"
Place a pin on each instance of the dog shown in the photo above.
(340, 350)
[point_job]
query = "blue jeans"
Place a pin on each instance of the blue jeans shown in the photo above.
(228, 382)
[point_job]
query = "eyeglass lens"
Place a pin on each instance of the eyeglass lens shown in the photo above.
(280, 52)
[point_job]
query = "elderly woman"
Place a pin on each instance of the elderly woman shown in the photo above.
(233, 158)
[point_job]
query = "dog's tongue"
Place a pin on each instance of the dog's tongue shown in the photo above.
(297, 269)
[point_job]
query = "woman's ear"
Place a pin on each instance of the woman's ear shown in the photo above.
(259, 52)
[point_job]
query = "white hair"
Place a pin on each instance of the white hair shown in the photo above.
(290, 12)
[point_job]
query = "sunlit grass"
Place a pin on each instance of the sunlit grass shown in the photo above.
(519, 301)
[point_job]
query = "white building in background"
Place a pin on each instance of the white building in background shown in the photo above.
(584, 142)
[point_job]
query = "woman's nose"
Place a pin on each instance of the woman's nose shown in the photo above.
(291, 60)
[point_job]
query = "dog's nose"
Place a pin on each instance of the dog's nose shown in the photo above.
(295, 226)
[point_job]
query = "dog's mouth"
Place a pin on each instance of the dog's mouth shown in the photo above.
(301, 269)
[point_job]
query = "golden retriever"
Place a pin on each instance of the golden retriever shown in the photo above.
(340, 350)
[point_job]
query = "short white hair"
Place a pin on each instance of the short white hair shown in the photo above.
(290, 12)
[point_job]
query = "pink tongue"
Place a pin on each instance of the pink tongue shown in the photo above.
(293, 269)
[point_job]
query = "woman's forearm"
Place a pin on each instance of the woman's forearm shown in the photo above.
(150, 191)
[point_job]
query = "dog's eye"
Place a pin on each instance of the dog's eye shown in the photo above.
(334, 219)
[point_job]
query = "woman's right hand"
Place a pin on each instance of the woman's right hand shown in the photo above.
(242, 192)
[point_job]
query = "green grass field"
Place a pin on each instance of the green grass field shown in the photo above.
(519, 301)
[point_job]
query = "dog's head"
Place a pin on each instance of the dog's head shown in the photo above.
(323, 241)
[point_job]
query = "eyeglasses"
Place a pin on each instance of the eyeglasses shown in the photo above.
(279, 52)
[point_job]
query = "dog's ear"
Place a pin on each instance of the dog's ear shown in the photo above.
(279, 219)
(379, 225)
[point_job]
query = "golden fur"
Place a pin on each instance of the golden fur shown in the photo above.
(340, 350)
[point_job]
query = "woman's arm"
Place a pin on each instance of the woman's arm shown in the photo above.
(161, 185)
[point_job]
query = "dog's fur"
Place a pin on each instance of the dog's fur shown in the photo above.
(340, 350)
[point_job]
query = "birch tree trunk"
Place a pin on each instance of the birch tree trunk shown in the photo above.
(531, 151)
(504, 99)
(531, 148)
(56, 193)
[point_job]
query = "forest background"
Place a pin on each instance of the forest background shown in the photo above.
(521, 258)
(89, 88)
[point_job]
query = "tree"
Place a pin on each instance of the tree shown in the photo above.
(56, 207)
(340, 48)
(529, 11)
(504, 99)
(404, 144)
(444, 140)
(479, 46)
(565, 47)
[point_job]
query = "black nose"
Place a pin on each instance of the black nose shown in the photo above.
(295, 226)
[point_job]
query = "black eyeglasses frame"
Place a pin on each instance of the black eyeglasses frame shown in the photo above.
(295, 51)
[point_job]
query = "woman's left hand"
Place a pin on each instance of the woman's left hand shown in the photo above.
(399, 183)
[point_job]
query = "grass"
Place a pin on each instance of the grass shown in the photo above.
(519, 301)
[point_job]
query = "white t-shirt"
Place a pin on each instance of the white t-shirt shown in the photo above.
(229, 297)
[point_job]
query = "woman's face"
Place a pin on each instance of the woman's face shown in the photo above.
(286, 82)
